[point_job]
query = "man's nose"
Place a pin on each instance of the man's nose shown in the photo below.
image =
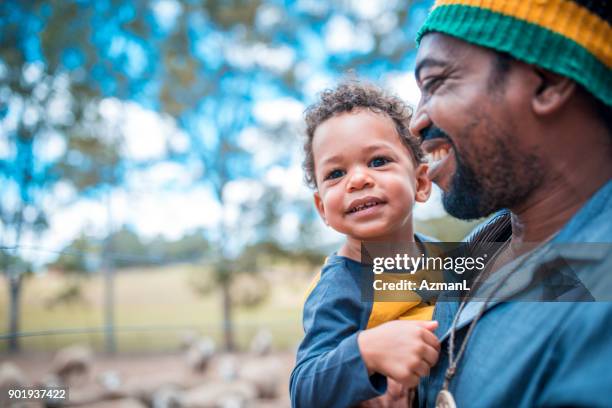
(359, 179)
(419, 122)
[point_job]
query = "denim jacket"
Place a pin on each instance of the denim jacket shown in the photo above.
(525, 353)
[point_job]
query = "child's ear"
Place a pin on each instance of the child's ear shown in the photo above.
(319, 204)
(423, 183)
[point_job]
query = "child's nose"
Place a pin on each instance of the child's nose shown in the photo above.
(359, 179)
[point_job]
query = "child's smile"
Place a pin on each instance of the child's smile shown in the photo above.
(363, 207)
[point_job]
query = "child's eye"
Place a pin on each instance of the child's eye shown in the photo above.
(334, 174)
(379, 161)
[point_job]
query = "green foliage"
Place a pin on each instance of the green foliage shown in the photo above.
(191, 247)
(13, 263)
(78, 256)
(89, 160)
(271, 252)
(127, 249)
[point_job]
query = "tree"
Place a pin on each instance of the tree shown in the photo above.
(77, 257)
(128, 249)
(43, 103)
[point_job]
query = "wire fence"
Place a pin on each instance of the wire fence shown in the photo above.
(166, 300)
(114, 256)
(152, 338)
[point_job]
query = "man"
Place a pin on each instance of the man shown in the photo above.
(515, 107)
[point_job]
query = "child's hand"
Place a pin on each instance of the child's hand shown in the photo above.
(401, 350)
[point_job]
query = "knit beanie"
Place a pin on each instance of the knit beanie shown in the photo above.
(570, 37)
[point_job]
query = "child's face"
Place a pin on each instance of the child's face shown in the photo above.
(366, 177)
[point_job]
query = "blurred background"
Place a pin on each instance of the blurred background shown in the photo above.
(156, 238)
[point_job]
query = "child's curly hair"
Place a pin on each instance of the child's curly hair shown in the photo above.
(348, 96)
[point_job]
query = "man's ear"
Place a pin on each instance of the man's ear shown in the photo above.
(320, 207)
(553, 91)
(423, 183)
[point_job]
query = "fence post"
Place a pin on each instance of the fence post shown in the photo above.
(109, 287)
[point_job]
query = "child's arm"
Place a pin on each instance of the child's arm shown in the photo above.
(330, 371)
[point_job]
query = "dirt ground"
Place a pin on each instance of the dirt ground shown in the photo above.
(136, 380)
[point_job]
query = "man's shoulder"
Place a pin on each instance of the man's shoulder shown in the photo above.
(592, 222)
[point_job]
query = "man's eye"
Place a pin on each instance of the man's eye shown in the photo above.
(334, 174)
(432, 84)
(379, 161)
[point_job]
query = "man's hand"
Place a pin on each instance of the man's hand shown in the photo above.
(402, 350)
(395, 397)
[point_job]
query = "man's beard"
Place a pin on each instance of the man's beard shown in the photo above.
(465, 196)
(500, 177)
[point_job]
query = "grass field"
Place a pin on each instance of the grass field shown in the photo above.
(154, 308)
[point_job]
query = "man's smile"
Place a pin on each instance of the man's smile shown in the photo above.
(440, 155)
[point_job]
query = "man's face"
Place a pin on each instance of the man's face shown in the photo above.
(468, 119)
(366, 179)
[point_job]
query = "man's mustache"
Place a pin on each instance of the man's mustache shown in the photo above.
(434, 132)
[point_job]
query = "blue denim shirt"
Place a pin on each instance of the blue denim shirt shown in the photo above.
(528, 353)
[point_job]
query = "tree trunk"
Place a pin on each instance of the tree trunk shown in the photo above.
(228, 327)
(110, 343)
(109, 309)
(13, 310)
